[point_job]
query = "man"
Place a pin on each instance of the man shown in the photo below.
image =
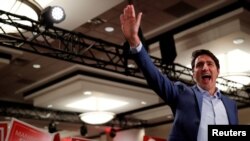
(194, 108)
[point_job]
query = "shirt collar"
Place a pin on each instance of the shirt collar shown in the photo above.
(217, 93)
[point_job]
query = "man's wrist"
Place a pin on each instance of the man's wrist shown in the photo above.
(135, 42)
(136, 49)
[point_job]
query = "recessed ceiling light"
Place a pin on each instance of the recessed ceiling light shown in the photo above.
(131, 66)
(87, 93)
(50, 106)
(238, 41)
(36, 66)
(143, 102)
(109, 29)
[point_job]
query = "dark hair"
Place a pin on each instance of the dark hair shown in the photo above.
(199, 52)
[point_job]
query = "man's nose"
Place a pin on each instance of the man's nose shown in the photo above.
(205, 66)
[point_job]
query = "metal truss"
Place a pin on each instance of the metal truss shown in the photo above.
(85, 50)
(28, 111)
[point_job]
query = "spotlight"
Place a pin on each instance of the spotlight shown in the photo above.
(52, 127)
(51, 15)
(83, 130)
(112, 133)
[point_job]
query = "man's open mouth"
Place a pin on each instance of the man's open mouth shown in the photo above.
(206, 77)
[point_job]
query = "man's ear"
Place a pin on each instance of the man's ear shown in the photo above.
(192, 73)
(218, 72)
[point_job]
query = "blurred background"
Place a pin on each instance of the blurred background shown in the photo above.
(53, 71)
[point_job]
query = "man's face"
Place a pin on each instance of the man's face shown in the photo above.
(205, 72)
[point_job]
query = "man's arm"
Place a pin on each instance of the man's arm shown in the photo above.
(156, 80)
(164, 87)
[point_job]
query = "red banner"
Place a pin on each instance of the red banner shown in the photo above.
(148, 138)
(56, 137)
(1, 134)
(4, 130)
(20, 131)
(66, 139)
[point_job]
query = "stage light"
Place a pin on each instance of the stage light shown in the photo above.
(52, 127)
(51, 15)
(112, 133)
(83, 130)
(57, 14)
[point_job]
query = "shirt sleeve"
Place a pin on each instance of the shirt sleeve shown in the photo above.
(137, 49)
